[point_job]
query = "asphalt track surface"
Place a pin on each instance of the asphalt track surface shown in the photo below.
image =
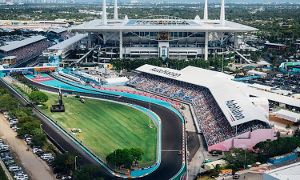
(172, 139)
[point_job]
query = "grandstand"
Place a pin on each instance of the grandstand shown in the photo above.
(225, 115)
(26, 49)
(61, 33)
(63, 48)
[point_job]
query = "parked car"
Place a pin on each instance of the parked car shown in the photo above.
(47, 156)
(28, 140)
(15, 121)
(9, 162)
(37, 150)
(21, 176)
(236, 176)
(5, 114)
(14, 168)
(15, 128)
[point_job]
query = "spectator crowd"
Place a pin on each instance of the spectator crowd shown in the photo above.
(29, 51)
(209, 115)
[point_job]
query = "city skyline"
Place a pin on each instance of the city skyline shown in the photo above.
(153, 1)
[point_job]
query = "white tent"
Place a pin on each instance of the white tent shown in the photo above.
(288, 115)
(117, 80)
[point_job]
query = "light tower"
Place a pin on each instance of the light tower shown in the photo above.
(205, 17)
(222, 14)
(116, 10)
(104, 15)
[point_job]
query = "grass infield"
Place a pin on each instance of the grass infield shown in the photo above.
(107, 126)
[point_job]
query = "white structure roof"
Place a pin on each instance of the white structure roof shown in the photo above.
(17, 44)
(254, 91)
(289, 172)
(288, 115)
(58, 30)
(254, 72)
(161, 24)
(262, 87)
(116, 80)
(275, 44)
(69, 42)
(230, 98)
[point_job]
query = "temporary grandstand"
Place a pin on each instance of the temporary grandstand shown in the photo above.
(58, 34)
(26, 49)
(160, 36)
(226, 115)
(62, 49)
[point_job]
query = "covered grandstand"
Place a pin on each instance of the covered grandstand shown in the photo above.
(63, 48)
(26, 49)
(225, 114)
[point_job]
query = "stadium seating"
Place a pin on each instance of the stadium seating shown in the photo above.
(212, 121)
(30, 51)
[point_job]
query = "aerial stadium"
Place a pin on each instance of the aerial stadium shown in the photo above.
(223, 113)
(160, 36)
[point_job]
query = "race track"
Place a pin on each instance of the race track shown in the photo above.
(172, 136)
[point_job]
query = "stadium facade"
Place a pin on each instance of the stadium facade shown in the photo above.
(161, 36)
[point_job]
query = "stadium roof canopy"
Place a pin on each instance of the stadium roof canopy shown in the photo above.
(17, 44)
(69, 42)
(236, 105)
(162, 24)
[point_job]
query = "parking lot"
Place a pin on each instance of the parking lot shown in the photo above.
(28, 162)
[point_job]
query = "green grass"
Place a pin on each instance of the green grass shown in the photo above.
(107, 126)
(2, 174)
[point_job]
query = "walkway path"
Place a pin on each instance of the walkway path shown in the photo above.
(36, 168)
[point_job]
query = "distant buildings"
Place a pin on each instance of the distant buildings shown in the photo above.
(11, 2)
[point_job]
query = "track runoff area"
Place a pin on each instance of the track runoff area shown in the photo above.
(171, 136)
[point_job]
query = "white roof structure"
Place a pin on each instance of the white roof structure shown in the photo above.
(162, 23)
(236, 105)
(262, 87)
(69, 42)
(17, 44)
(116, 80)
(58, 30)
(275, 44)
(289, 172)
(288, 115)
(254, 72)
(254, 91)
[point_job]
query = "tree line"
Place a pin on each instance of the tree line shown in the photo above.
(216, 63)
(239, 158)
